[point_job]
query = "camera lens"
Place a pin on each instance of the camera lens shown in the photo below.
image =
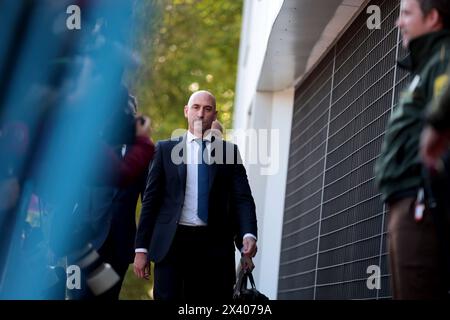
(100, 276)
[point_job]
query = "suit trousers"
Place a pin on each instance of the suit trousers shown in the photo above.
(416, 267)
(196, 268)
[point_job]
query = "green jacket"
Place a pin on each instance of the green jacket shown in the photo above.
(438, 113)
(398, 169)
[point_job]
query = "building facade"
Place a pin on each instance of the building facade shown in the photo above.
(321, 76)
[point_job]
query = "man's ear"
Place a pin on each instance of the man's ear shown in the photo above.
(434, 19)
(186, 108)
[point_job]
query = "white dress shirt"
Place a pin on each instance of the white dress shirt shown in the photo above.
(189, 216)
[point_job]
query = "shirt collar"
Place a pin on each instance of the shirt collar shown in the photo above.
(190, 137)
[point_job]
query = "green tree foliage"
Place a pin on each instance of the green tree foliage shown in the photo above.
(185, 45)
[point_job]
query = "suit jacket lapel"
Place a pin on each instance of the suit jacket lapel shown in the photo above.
(215, 155)
(182, 168)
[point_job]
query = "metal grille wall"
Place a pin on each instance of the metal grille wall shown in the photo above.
(334, 221)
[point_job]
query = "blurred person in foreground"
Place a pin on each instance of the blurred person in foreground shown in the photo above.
(119, 205)
(416, 272)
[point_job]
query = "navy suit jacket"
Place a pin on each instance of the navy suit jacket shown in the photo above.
(231, 205)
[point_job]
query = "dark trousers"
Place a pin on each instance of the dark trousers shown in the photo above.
(416, 268)
(195, 269)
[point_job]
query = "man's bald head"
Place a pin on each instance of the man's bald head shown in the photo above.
(202, 94)
(200, 112)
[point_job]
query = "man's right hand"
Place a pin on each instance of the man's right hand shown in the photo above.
(141, 265)
(247, 263)
(143, 127)
(433, 144)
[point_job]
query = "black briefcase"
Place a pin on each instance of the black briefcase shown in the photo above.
(244, 294)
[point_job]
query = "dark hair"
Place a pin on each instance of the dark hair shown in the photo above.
(442, 7)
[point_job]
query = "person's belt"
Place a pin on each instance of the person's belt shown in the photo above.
(190, 228)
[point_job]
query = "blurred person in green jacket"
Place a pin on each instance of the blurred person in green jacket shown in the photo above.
(412, 240)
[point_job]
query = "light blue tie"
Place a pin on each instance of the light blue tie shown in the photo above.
(203, 184)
